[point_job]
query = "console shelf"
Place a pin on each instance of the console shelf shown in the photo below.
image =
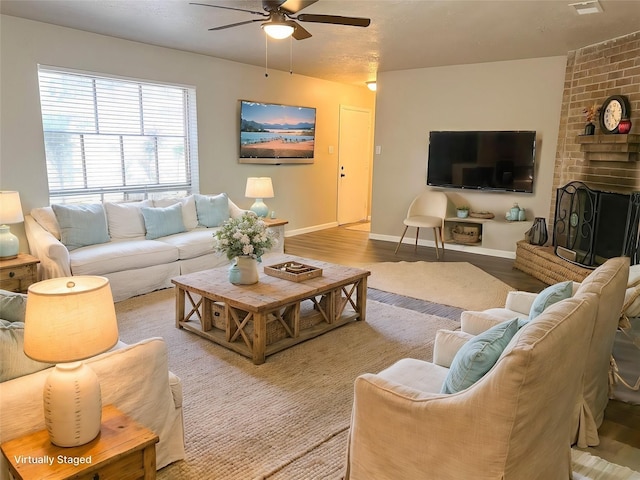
(495, 233)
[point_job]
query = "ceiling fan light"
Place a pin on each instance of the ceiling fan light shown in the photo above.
(278, 30)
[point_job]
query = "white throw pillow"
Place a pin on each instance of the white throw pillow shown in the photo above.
(46, 218)
(125, 220)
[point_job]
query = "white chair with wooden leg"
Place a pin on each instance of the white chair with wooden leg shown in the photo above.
(427, 210)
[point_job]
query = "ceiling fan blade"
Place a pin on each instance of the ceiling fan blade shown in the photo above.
(294, 6)
(334, 19)
(262, 14)
(235, 24)
(300, 33)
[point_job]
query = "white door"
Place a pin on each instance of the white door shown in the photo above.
(354, 164)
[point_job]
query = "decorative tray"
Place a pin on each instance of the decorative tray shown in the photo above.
(481, 214)
(294, 271)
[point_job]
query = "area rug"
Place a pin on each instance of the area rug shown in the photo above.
(590, 467)
(287, 418)
(458, 284)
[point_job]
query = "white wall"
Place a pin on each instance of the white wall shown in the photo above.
(305, 194)
(514, 95)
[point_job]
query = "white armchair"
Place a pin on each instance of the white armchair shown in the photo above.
(609, 281)
(513, 423)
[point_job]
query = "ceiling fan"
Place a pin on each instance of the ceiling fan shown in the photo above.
(280, 17)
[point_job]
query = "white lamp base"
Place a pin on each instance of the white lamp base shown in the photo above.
(72, 404)
(259, 208)
(9, 243)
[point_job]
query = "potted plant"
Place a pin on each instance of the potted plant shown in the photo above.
(590, 114)
(463, 211)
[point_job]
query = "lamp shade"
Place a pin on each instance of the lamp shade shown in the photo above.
(69, 319)
(279, 30)
(10, 208)
(259, 187)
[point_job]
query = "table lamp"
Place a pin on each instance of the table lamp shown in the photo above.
(259, 188)
(67, 320)
(10, 212)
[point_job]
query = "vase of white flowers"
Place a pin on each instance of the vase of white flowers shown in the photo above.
(244, 240)
(244, 271)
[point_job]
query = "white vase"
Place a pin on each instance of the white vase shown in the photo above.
(244, 271)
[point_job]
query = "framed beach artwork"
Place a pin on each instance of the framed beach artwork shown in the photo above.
(274, 134)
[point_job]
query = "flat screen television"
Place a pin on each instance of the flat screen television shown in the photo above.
(482, 160)
(279, 133)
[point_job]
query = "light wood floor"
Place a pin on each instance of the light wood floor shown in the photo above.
(620, 431)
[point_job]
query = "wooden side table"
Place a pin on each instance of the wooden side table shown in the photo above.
(124, 449)
(18, 273)
(277, 225)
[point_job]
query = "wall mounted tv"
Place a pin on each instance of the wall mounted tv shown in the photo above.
(482, 160)
(272, 133)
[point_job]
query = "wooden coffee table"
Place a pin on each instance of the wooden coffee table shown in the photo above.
(273, 314)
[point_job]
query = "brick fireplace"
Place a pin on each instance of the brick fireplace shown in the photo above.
(594, 73)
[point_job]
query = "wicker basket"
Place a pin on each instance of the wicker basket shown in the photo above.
(465, 235)
(486, 215)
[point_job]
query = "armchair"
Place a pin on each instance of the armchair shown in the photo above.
(609, 282)
(513, 423)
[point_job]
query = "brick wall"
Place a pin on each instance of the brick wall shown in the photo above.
(594, 73)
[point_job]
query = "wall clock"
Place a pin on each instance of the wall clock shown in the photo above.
(614, 109)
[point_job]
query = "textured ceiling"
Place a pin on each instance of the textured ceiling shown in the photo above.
(404, 34)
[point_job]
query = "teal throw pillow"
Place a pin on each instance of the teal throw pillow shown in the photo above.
(477, 356)
(12, 306)
(212, 211)
(161, 222)
(82, 225)
(549, 296)
(13, 362)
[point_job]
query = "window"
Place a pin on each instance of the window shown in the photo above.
(110, 139)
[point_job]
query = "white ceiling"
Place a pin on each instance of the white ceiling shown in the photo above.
(404, 34)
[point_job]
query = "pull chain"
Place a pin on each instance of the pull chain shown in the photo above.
(291, 55)
(266, 55)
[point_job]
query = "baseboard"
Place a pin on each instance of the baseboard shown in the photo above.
(449, 246)
(314, 228)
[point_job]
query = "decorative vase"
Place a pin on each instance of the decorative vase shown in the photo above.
(624, 126)
(537, 234)
(589, 129)
(522, 216)
(463, 213)
(514, 212)
(9, 244)
(244, 271)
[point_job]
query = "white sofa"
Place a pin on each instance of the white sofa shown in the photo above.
(133, 263)
(155, 402)
(135, 378)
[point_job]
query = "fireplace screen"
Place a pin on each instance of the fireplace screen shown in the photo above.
(592, 226)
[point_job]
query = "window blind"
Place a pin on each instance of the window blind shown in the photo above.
(116, 139)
